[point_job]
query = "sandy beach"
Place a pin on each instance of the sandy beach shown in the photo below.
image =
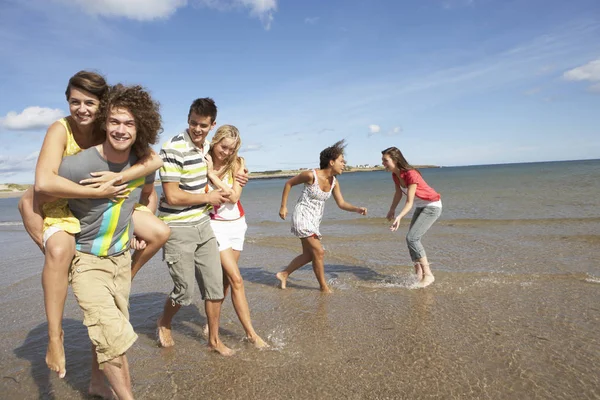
(512, 314)
(8, 191)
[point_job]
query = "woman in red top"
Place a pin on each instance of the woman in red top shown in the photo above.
(428, 208)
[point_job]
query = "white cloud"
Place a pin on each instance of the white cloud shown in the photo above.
(13, 165)
(32, 156)
(140, 10)
(396, 130)
(251, 147)
(532, 91)
(31, 118)
(262, 9)
(588, 72)
(374, 129)
(595, 88)
(149, 10)
(311, 20)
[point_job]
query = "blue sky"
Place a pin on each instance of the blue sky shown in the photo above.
(449, 82)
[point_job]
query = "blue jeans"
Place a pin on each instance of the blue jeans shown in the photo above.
(421, 221)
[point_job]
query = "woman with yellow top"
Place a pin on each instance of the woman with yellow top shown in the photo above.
(49, 221)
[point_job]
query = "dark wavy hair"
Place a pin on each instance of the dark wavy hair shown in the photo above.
(396, 155)
(145, 111)
(331, 153)
(89, 81)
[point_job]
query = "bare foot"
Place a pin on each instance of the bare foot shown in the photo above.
(101, 389)
(326, 289)
(282, 276)
(257, 342)
(427, 280)
(221, 349)
(419, 271)
(163, 335)
(55, 355)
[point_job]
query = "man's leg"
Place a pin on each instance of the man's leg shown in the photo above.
(213, 315)
(209, 276)
(179, 256)
(98, 386)
(163, 325)
(117, 373)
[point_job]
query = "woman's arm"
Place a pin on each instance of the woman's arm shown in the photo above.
(142, 168)
(395, 202)
(410, 197)
(303, 177)
(214, 178)
(236, 190)
(47, 180)
(343, 204)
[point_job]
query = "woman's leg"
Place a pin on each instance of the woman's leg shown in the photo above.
(60, 249)
(295, 264)
(152, 231)
(32, 217)
(238, 294)
(318, 256)
(422, 220)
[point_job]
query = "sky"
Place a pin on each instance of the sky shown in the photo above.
(449, 82)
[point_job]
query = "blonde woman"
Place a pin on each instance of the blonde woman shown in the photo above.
(228, 221)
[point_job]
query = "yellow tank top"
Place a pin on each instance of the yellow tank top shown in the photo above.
(72, 147)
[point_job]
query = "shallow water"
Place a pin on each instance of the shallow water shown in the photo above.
(513, 312)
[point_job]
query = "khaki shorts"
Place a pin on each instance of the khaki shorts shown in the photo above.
(192, 256)
(101, 286)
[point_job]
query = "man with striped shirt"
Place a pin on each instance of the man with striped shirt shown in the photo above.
(191, 252)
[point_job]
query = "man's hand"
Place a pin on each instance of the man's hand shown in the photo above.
(218, 197)
(390, 215)
(242, 177)
(362, 210)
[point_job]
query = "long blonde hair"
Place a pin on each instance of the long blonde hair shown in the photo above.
(233, 162)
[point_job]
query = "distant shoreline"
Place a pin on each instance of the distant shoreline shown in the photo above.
(11, 190)
(291, 173)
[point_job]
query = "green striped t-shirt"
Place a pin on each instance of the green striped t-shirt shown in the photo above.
(183, 162)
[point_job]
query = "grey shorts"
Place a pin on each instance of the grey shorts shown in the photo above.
(192, 255)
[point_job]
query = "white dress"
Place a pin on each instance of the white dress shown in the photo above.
(309, 209)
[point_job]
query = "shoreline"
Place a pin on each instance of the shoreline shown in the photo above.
(7, 191)
(291, 173)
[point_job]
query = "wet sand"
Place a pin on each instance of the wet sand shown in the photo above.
(469, 335)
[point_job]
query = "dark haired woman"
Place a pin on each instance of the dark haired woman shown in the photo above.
(49, 221)
(319, 184)
(428, 208)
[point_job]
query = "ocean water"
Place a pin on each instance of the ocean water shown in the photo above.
(513, 312)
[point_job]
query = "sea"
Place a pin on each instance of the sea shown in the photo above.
(514, 312)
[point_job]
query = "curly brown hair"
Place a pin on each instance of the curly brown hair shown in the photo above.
(331, 153)
(145, 110)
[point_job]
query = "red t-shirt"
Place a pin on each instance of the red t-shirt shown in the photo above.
(424, 191)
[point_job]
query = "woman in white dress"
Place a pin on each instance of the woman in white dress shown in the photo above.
(319, 185)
